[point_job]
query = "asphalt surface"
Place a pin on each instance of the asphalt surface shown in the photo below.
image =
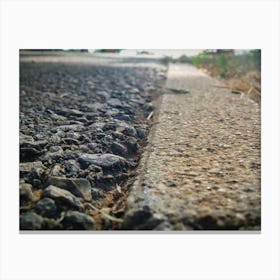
(83, 126)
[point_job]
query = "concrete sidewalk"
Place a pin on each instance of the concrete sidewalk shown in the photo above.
(201, 169)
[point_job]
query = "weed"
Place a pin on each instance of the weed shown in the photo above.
(166, 60)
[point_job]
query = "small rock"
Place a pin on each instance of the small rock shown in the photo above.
(172, 184)
(55, 139)
(97, 193)
(25, 191)
(70, 141)
(106, 161)
(75, 220)
(56, 170)
(29, 154)
(141, 132)
(31, 221)
(119, 149)
(132, 145)
(55, 149)
(142, 219)
(130, 131)
(25, 138)
(63, 196)
(71, 112)
(118, 135)
(72, 166)
(28, 167)
(73, 127)
(55, 153)
(115, 102)
(110, 126)
(123, 117)
(78, 186)
(46, 207)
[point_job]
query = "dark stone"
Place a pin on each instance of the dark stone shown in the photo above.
(172, 184)
(46, 207)
(62, 196)
(78, 186)
(29, 154)
(72, 166)
(123, 117)
(106, 161)
(70, 141)
(207, 222)
(118, 135)
(84, 139)
(141, 132)
(119, 149)
(97, 193)
(74, 220)
(31, 221)
(70, 112)
(130, 131)
(54, 153)
(26, 194)
(132, 145)
(110, 126)
(142, 219)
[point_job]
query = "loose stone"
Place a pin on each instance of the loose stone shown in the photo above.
(31, 221)
(46, 207)
(74, 220)
(26, 194)
(63, 196)
(78, 186)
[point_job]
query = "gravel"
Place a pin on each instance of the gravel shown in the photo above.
(82, 129)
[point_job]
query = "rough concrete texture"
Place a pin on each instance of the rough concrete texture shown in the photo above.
(201, 170)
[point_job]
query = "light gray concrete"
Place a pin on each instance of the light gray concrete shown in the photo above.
(201, 169)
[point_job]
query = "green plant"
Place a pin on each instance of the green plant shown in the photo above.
(196, 60)
(166, 60)
(256, 55)
(222, 64)
(184, 59)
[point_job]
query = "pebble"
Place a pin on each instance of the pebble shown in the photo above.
(72, 166)
(172, 184)
(46, 207)
(27, 167)
(106, 161)
(75, 220)
(119, 149)
(63, 196)
(132, 145)
(78, 186)
(73, 127)
(71, 112)
(130, 131)
(25, 191)
(31, 221)
(70, 141)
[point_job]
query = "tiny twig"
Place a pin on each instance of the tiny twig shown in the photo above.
(150, 115)
(250, 90)
(105, 215)
(218, 86)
